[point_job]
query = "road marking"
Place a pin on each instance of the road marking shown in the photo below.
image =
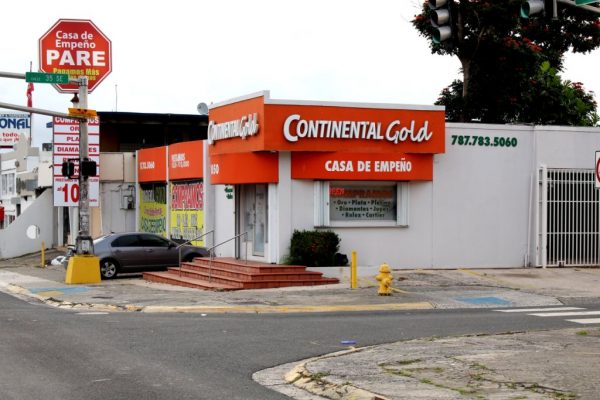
(512, 310)
(566, 314)
(585, 321)
(559, 312)
(92, 313)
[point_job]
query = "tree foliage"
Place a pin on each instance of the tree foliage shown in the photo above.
(511, 65)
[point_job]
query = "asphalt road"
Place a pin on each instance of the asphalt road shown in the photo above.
(56, 354)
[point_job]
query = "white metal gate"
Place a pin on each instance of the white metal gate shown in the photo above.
(568, 228)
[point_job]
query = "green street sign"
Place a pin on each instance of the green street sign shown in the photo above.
(583, 2)
(40, 77)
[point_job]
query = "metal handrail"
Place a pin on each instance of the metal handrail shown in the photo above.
(189, 241)
(211, 252)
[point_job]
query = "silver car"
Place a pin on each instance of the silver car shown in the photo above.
(139, 251)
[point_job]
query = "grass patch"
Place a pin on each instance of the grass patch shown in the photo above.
(582, 333)
(318, 377)
(408, 362)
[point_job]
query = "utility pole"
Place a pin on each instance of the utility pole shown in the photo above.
(84, 243)
(84, 266)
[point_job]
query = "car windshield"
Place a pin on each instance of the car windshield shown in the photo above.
(99, 238)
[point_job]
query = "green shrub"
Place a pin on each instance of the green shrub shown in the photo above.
(315, 249)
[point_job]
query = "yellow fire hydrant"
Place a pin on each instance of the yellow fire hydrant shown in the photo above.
(385, 280)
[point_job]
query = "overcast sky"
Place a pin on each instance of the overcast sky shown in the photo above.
(170, 55)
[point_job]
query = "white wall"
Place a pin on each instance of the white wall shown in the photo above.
(13, 239)
(477, 212)
(116, 217)
(481, 199)
(567, 147)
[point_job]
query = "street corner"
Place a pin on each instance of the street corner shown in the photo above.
(509, 365)
(319, 385)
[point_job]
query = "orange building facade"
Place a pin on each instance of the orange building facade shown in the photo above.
(275, 166)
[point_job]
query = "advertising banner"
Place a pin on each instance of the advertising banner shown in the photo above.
(66, 147)
(187, 215)
(12, 126)
(153, 208)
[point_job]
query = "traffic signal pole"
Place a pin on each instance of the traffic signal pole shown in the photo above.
(84, 203)
(84, 266)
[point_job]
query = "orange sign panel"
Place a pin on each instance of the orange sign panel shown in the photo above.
(260, 123)
(362, 166)
(354, 129)
(152, 164)
(186, 160)
(237, 168)
(237, 127)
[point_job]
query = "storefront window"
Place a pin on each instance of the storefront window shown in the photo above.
(361, 204)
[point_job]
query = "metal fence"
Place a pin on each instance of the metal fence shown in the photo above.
(568, 232)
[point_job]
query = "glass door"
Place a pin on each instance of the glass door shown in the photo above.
(254, 214)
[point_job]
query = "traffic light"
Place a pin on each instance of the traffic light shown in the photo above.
(441, 20)
(532, 7)
(68, 169)
(88, 168)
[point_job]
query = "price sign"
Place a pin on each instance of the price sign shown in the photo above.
(66, 146)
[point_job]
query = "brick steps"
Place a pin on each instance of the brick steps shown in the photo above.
(174, 279)
(231, 274)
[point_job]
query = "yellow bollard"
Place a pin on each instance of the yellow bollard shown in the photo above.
(353, 277)
(43, 254)
(385, 280)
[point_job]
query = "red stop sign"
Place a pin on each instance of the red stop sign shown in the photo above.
(76, 47)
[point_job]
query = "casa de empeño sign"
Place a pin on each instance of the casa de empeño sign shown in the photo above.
(76, 48)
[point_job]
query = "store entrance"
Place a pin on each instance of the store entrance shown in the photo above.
(253, 220)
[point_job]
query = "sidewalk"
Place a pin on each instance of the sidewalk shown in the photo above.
(560, 364)
(414, 289)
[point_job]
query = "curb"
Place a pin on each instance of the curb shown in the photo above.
(288, 308)
(52, 301)
(303, 379)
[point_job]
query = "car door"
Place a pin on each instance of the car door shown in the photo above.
(127, 250)
(159, 252)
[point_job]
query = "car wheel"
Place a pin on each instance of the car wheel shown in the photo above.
(108, 268)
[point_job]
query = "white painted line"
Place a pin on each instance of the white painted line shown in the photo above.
(585, 321)
(566, 314)
(542, 309)
(93, 313)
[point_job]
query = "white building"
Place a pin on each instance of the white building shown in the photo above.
(399, 187)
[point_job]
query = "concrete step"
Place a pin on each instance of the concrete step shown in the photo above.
(256, 282)
(227, 271)
(246, 267)
(174, 279)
